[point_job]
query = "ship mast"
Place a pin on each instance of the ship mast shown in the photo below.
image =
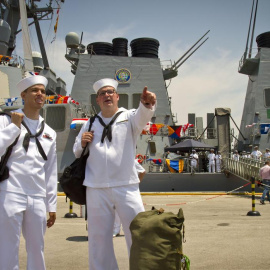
(28, 60)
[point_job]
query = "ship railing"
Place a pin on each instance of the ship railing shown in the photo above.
(245, 56)
(211, 133)
(156, 168)
(194, 132)
(244, 167)
(166, 64)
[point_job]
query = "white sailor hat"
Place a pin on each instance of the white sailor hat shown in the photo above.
(31, 80)
(105, 82)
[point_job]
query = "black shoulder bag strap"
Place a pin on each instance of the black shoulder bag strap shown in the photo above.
(6, 156)
(92, 119)
(107, 131)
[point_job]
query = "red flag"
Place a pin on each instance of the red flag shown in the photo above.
(185, 127)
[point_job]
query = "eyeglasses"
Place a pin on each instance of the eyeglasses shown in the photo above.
(109, 92)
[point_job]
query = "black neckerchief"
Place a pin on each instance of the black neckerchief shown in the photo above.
(107, 131)
(29, 135)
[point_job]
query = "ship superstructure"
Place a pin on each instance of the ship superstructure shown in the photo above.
(133, 69)
(13, 15)
(255, 63)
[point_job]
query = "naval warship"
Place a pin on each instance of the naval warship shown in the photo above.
(133, 65)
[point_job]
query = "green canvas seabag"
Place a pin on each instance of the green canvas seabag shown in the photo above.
(157, 241)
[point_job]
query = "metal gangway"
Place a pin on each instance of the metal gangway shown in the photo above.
(244, 167)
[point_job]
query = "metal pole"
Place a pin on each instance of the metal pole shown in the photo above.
(254, 21)
(253, 212)
(70, 214)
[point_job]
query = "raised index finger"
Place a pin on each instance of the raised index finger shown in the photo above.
(145, 90)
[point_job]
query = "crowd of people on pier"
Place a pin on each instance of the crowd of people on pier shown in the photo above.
(212, 161)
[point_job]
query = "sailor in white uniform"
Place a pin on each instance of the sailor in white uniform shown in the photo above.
(256, 154)
(211, 159)
(193, 161)
(218, 161)
(244, 154)
(235, 156)
(267, 153)
(31, 187)
(111, 178)
(117, 222)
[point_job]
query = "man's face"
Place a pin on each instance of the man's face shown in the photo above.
(107, 98)
(34, 96)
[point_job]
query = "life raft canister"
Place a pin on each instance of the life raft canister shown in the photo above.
(140, 158)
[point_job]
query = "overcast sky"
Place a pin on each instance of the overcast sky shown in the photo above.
(207, 80)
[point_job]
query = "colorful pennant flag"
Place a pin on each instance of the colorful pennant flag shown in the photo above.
(156, 161)
(56, 24)
(77, 122)
(9, 101)
(175, 165)
(63, 99)
(186, 126)
(175, 132)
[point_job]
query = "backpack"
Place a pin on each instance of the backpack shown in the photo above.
(157, 241)
(73, 176)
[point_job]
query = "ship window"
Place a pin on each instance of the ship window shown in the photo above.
(136, 100)
(55, 117)
(267, 97)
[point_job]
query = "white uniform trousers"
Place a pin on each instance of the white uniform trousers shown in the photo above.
(218, 165)
(117, 224)
(211, 167)
(18, 213)
(193, 165)
(101, 206)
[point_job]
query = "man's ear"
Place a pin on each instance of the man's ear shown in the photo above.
(23, 94)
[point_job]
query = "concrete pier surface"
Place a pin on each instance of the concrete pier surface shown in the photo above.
(219, 234)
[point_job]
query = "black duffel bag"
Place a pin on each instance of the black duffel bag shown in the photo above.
(73, 176)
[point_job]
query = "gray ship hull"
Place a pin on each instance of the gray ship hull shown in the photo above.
(201, 182)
